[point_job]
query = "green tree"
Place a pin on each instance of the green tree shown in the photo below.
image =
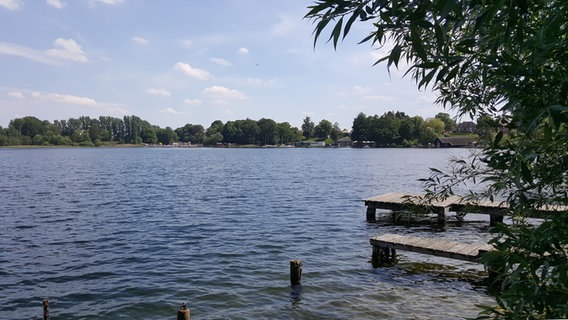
(449, 123)
(323, 129)
(148, 134)
(336, 132)
(267, 134)
(231, 132)
(360, 128)
(166, 136)
(487, 128)
(506, 59)
(385, 130)
(213, 134)
(436, 124)
(308, 127)
(191, 133)
(288, 134)
(215, 127)
(250, 131)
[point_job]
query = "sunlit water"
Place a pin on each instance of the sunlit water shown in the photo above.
(132, 233)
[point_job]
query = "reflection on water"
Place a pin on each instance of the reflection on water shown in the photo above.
(132, 233)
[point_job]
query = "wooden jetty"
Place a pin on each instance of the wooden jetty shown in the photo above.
(385, 246)
(396, 201)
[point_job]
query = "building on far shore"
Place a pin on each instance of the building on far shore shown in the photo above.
(455, 142)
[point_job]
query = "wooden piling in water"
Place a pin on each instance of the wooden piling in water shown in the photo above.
(295, 272)
(45, 303)
(183, 312)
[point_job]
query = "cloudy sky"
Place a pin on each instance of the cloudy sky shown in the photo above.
(176, 62)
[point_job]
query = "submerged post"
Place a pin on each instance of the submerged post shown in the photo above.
(45, 303)
(183, 312)
(295, 272)
(383, 256)
(442, 212)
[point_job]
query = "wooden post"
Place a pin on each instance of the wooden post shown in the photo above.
(383, 256)
(442, 213)
(495, 217)
(183, 312)
(371, 214)
(295, 272)
(45, 309)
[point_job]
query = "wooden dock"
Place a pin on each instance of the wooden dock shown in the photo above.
(396, 201)
(385, 246)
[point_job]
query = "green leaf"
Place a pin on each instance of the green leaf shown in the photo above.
(427, 78)
(452, 74)
(394, 56)
(350, 21)
(336, 33)
(319, 28)
(417, 44)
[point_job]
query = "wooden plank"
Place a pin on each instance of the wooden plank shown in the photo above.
(399, 201)
(442, 248)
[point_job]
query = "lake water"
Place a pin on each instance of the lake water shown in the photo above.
(119, 233)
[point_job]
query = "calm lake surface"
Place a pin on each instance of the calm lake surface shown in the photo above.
(119, 233)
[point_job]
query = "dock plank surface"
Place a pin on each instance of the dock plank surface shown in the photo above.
(398, 201)
(441, 248)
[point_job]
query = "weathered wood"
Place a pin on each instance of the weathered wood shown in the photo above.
(441, 248)
(45, 303)
(183, 312)
(383, 256)
(397, 201)
(295, 272)
(371, 214)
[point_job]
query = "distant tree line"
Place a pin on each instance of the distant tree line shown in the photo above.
(86, 131)
(398, 129)
(390, 129)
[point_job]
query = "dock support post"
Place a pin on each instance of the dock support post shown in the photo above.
(295, 272)
(371, 214)
(183, 312)
(495, 217)
(442, 213)
(45, 303)
(383, 256)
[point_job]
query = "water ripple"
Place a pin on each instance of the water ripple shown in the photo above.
(132, 233)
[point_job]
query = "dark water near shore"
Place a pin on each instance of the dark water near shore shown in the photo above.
(132, 233)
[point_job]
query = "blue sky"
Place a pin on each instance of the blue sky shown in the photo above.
(177, 61)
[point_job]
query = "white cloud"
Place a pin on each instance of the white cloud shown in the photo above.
(140, 40)
(10, 4)
(185, 43)
(220, 61)
(192, 72)
(362, 90)
(219, 92)
(243, 51)
(16, 50)
(378, 98)
(286, 26)
(192, 101)
(171, 111)
(67, 49)
(111, 2)
(64, 98)
(257, 82)
(158, 92)
(56, 3)
(16, 94)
